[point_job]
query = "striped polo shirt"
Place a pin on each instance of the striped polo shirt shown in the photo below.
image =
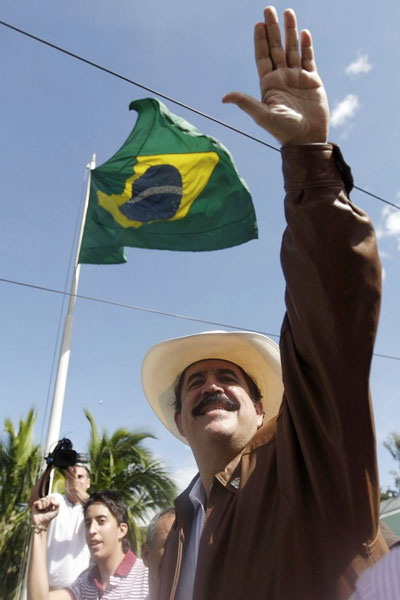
(129, 582)
(382, 581)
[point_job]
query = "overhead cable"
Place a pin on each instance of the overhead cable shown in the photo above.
(165, 97)
(154, 311)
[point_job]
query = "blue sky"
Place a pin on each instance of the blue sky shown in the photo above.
(56, 112)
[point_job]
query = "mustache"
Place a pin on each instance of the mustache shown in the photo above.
(210, 398)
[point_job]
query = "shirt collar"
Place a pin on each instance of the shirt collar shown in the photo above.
(197, 494)
(126, 564)
(122, 570)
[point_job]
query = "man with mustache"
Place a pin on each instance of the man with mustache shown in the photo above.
(285, 505)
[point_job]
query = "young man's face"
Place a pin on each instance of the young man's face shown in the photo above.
(216, 403)
(103, 534)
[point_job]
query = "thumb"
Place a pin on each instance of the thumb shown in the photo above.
(250, 105)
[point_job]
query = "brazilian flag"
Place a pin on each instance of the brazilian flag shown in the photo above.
(168, 187)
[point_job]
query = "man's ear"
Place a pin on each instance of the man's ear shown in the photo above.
(260, 413)
(123, 528)
(178, 422)
(146, 554)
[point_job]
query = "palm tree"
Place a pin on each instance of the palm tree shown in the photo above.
(121, 462)
(19, 461)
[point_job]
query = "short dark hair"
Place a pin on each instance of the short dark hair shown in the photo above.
(117, 507)
(255, 393)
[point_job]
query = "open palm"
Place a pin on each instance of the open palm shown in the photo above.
(294, 107)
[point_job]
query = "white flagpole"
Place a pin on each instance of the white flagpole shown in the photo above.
(53, 431)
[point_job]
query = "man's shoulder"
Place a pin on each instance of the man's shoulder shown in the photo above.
(135, 586)
(139, 568)
(382, 580)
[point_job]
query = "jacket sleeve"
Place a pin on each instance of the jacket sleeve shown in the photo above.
(333, 279)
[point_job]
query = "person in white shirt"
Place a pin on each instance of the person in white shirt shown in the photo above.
(67, 551)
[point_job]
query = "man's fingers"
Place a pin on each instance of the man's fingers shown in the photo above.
(307, 52)
(250, 105)
(291, 39)
(261, 50)
(48, 503)
(276, 51)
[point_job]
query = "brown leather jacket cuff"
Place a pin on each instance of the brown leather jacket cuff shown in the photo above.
(315, 165)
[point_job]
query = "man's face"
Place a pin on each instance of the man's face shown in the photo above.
(103, 533)
(76, 477)
(152, 553)
(216, 403)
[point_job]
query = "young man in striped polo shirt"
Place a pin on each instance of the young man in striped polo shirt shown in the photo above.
(117, 573)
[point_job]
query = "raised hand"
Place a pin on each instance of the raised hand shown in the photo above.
(44, 510)
(294, 106)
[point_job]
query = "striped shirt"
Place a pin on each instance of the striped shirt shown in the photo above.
(381, 582)
(129, 582)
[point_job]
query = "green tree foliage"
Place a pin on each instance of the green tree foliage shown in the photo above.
(392, 444)
(120, 462)
(19, 460)
(388, 494)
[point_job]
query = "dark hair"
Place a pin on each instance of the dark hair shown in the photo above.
(254, 390)
(117, 507)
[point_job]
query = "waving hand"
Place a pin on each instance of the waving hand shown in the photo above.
(294, 107)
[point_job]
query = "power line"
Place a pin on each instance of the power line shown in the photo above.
(377, 197)
(136, 83)
(165, 97)
(154, 311)
(132, 306)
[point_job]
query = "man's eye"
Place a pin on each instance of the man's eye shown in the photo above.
(195, 383)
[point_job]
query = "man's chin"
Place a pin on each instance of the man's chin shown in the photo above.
(219, 423)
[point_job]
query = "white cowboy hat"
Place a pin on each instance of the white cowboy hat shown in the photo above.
(257, 355)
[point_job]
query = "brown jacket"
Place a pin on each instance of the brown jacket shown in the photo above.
(297, 519)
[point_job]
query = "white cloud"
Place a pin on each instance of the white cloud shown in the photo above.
(359, 66)
(390, 224)
(383, 273)
(345, 110)
(184, 476)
